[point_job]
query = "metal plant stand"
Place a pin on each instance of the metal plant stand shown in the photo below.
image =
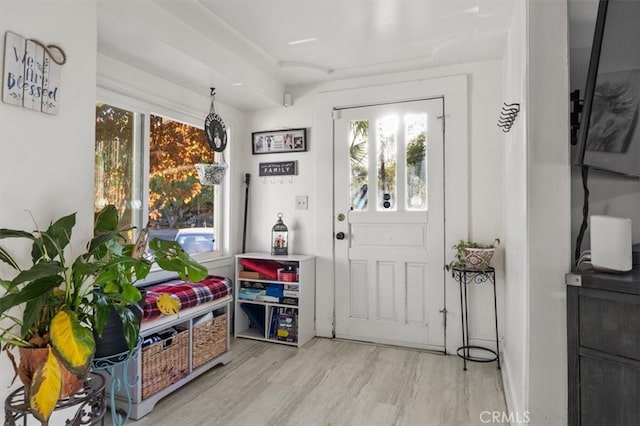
(464, 277)
(89, 400)
(117, 367)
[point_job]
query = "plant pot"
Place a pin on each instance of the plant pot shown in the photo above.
(31, 358)
(211, 174)
(476, 258)
(112, 341)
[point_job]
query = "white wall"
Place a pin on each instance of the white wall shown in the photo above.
(311, 231)
(515, 369)
(548, 208)
(268, 196)
(537, 214)
(46, 161)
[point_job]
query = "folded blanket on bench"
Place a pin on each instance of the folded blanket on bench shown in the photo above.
(189, 294)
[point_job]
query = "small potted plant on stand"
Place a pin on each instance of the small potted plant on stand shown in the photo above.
(472, 255)
(65, 302)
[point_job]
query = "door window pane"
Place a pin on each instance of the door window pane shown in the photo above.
(117, 153)
(177, 200)
(416, 138)
(359, 164)
(386, 137)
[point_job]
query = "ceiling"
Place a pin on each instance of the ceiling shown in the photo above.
(254, 51)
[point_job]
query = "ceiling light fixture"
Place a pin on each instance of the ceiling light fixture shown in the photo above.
(304, 40)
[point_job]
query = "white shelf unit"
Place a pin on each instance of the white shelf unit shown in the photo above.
(185, 319)
(305, 324)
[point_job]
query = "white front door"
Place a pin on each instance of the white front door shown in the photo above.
(389, 223)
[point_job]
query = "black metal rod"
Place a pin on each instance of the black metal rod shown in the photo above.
(466, 321)
(495, 313)
(462, 319)
(247, 179)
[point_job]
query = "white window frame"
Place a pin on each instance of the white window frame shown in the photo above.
(146, 109)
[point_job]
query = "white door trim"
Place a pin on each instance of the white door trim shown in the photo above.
(455, 93)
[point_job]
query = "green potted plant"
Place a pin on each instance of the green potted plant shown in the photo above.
(117, 266)
(64, 302)
(472, 255)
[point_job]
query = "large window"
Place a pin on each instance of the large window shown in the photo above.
(160, 188)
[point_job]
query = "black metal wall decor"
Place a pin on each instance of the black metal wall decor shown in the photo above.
(214, 127)
(508, 116)
(216, 135)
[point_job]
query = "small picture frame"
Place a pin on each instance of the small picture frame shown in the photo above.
(279, 141)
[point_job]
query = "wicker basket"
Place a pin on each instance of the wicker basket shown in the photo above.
(164, 363)
(209, 340)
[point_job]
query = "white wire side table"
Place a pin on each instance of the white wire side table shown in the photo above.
(465, 277)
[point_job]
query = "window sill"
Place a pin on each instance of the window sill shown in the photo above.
(207, 260)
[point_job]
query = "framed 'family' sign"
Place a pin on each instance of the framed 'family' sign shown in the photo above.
(31, 77)
(278, 168)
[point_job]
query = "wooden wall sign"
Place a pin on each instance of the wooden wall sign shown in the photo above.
(278, 168)
(31, 77)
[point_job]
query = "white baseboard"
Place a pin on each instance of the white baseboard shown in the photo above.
(516, 411)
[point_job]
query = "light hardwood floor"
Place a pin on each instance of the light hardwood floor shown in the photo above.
(334, 382)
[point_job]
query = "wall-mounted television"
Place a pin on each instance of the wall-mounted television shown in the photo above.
(609, 134)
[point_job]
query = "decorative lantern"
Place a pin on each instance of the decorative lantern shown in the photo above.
(279, 238)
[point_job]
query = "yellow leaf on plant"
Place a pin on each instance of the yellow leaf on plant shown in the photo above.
(73, 343)
(45, 388)
(168, 305)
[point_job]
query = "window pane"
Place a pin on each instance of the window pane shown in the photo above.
(177, 200)
(416, 136)
(117, 142)
(387, 129)
(359, 163)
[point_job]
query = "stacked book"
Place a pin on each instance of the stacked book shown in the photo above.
(286, 294)
(290, 294)
(250, 290)
(283, 324)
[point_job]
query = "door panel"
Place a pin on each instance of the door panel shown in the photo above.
(389, 274)
(389, 235)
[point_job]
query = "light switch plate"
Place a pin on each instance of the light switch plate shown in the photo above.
(302, 202)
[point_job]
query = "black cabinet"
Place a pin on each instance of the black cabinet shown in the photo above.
(603, 320)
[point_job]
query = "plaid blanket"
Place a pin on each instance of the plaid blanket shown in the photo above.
(189, 294)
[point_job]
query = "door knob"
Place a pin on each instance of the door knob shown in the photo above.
(340, 236)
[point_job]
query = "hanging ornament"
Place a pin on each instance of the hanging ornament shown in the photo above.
(214, 127)
(216, 134)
